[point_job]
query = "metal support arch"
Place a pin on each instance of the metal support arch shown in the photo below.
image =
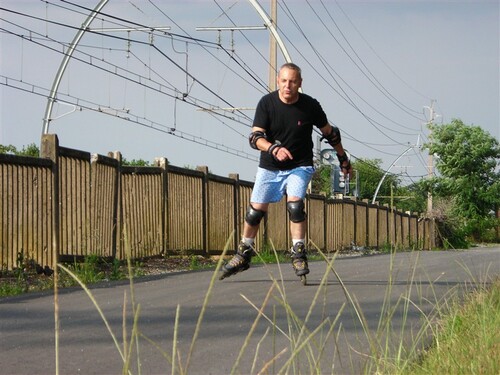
(387, 172)
(273, 30)
(67, 56)
(64, 63)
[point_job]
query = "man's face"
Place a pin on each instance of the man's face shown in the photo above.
(289, 82)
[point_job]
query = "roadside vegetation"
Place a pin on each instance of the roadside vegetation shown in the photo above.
(466, 337)
(459, 335)
(30, 277)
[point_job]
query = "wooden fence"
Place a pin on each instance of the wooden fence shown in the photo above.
(71, 203)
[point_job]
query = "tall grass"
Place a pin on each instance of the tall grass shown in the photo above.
(305, 353)
(467, 338)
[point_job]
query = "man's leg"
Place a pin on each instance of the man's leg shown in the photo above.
(297, 214)
(267, 188)
(297, 183)
(298, 230)
(241, 260)
(251, 229)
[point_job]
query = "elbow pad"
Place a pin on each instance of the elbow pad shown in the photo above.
(254, 137)
(333, 138)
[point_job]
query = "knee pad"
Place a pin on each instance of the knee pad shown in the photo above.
(296, 211)
(253, 216)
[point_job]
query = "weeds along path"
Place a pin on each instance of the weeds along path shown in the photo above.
(354, 313)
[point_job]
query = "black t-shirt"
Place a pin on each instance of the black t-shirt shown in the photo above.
(291, 125)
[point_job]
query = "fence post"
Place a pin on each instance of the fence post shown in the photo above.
(378, 220)
(355, 229)
(50, 150)
(325, 223)
(367, 222)
(206, 224)
(237, 213)
(387, 224)
(432, 233)
(118, 235)
(163, 164)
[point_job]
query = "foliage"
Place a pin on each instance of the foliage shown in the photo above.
(467, 159)
(370, 175)
(466, 341)
(321, 181)
(450, 231)
(10, 149)
(89, 271)
(29, 150)
(138, 162)
(412, 197)
(26, 277)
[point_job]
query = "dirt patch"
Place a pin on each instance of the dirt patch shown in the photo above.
(31, 277)
(157, 266)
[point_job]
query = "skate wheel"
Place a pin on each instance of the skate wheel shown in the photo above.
(303, 279)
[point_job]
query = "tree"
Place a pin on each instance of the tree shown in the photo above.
(467, 158)
(138, 162)
(412, 197)
(29, 150)
(8, 149)
(321, 181)
(370, 174)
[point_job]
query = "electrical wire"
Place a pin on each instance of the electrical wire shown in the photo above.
(379, 85)
(261, 86)
(125, 74)
(139, 79)
(174, 95)
(80, 104)
(329, 70)
(366, 71)
(377, 55)
(142, 121)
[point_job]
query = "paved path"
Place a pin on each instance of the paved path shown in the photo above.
(86, 347)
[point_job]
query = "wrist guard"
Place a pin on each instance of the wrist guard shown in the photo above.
(254, 137)
(274, 146)
(342, 159)
(333, 138)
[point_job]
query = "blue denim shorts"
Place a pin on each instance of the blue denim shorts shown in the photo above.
(271, 186)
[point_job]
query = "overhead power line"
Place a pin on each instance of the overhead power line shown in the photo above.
(80, 104)
(158, 83)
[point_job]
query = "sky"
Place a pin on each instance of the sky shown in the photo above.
(381, 70)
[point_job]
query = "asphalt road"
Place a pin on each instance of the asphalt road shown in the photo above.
(229, 326)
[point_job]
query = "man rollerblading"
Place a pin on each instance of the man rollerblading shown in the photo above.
(239, 262)
(282, 132)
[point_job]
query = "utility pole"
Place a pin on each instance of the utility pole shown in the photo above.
(275, 40)
(430, 164)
